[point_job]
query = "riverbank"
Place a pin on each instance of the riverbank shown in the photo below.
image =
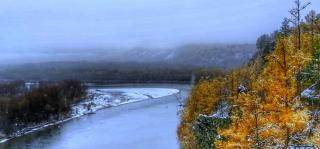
(145, 124)
(100, 99)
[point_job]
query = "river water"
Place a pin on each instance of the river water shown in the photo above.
(141, 125)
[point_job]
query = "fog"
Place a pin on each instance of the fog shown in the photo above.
(35, 30)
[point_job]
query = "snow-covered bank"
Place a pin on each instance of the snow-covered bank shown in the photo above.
(99, 99)
(104, 98)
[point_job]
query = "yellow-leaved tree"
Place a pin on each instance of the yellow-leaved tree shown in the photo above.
(287, 117)
(243, 132)
(204, 98)
(270, 112)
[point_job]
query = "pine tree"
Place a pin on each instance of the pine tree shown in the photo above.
(286, 119)
(246, 110)
(296, 18)
(204, 99)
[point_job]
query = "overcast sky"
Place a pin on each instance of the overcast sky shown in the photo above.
(48, 24)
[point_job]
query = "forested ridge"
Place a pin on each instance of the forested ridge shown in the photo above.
(138, 65)
(272, 102)
(109, 72)
(191, 55)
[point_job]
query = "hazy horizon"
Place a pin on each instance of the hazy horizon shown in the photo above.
(123, 23)
(136, 54)
(34, 28)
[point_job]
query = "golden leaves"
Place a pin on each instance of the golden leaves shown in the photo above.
(266, 114)
(204, 98)
(271, 117)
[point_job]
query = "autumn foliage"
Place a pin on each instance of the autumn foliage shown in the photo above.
(204, 98)
(271, 112)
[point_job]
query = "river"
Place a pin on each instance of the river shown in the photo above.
(140, 125)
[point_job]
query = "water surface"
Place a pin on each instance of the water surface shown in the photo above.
(147, 124)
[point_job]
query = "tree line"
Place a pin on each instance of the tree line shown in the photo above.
(22, 106)
(109, 72)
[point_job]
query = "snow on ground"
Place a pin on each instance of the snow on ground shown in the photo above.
(143, 125)
(104, 98)
(140, 125)
(311, 92)
(139, 92)
(99, 99)
(223, 111)
(308, 93)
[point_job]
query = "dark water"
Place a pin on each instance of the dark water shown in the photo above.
(146, 124)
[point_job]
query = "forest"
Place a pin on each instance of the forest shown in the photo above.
(160, 74)
(23, 104)
(138, 65)
(107, 72)
(271, 102)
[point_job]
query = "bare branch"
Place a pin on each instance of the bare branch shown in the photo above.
(305, 6)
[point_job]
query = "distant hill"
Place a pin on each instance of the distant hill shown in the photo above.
(134, 65)
(196, 55)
